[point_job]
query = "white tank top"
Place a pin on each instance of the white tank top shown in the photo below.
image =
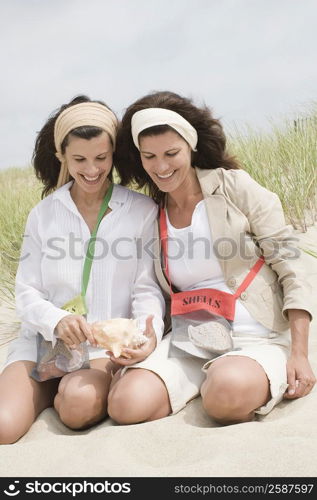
(193, 264)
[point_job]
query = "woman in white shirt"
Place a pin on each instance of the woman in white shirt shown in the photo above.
(73, 153)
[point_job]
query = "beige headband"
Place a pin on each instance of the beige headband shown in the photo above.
(79, 115)
(151, 117)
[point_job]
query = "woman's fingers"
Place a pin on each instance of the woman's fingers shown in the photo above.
(127, 357)
(74, 329)
(300, 377)
(73, 336)
(132, 353)
(306, 388)
(130, 356)
(77, 333)
(301, 389)
(67, 336)
(87, 331)
(149, 330)
(291, 379)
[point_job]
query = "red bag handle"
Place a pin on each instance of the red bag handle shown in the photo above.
(164, 240)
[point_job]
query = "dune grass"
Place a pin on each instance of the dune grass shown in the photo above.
(19, 192)
(284, 161)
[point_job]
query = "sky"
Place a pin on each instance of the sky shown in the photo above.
(250, 61)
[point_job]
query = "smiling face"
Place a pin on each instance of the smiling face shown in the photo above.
(167, 160)
(89, 163)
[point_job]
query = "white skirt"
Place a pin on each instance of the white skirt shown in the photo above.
(184, 374)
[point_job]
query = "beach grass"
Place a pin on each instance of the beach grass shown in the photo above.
(284, 161)
(19, 192)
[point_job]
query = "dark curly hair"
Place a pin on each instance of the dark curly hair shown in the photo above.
(211, 147)
(46, 165)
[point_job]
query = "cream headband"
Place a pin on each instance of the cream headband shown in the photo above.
(151, 117)
(79, 115)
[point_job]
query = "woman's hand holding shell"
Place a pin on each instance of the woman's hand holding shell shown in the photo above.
(125, 344)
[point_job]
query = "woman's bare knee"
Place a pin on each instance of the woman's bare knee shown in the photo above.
(22, 399)
(138, 396)
(10, 429)
(223, 389)
(233, 390)
(81, 400)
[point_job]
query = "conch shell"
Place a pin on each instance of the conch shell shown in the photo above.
(117, 333)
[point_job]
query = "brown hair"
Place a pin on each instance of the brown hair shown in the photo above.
(211, 147)
(46, 165)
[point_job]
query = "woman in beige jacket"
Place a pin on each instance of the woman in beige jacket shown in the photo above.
(223, 240)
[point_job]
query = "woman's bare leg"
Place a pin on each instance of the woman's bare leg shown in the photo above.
(22, 399)
(235, 386)
(81, 400)
(138, 396)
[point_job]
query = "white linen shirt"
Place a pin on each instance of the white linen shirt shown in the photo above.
(122, 280)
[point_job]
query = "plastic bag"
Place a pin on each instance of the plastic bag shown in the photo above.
(200, 333)
(55, 362)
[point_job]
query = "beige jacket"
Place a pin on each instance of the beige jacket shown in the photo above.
(246, 220)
